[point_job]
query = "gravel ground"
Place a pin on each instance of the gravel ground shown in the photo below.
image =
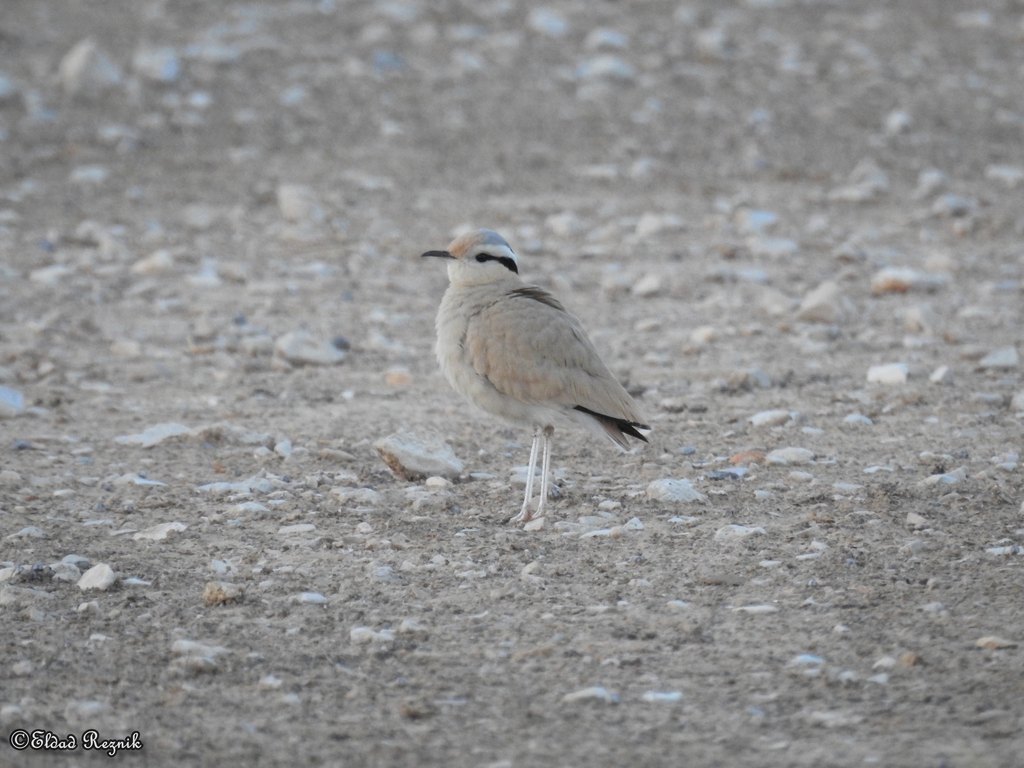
(792, 228)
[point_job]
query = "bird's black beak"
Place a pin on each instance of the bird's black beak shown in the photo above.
(438, 254)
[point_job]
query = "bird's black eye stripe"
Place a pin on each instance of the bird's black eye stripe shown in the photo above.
(505, 261)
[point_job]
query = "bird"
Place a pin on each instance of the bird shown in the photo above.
(513, 350)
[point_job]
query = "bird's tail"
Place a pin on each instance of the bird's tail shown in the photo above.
(617, 429)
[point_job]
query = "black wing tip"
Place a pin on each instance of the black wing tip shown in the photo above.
(626, 427)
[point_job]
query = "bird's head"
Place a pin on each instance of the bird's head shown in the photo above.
(480, 256)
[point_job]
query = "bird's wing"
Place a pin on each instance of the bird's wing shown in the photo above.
(529, 348)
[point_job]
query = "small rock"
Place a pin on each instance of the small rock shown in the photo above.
(801, 477)
(791, 455)
(992, 642)
(100, 577)
(595, 693)
(734, 532)
(565, 224)
(648, 286)
(269, 683)
(904, 279)
(915, 520)
(857, 418)
(896, 122)
(674, 490)
(413, 457)
(217, 592)
(28, 532)
(197, 657)
(650, 224)
(12, 403)
(1000, 359)
(822, 304)
(301, 348)
(929, 182)
(659, 697)
(748, 457)
(398, 377)
(890, 374)
(866, 182)
(88, 69)
(283, 448)
(1010, 176)
(606, 68)
(547, 22)
(22, 668)
(159, 532)
(941, 375)
(298, 528)
(756, 609)
(311, 598)
(160, 65)
(365, 636)
(154, 435)
(298, 203)
(705, 334)
(770, 418)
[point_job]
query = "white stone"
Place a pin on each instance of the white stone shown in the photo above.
(790, 455)
(890, 374)
(365, 636)
(565, 224)
(941, 375)
(669, 489)
(651, 223)
(661, 697)
(86, 68)
(298, 202)
(302, 348)
(770, 418)
(756, 609)
(160, 65)
(822, 304)
(416, 457)
(595, 693)
(857, 419)
(100, 577)
(1000, 359)
(547, 22)
(154, 435)
(649, 285)
(159, 532)
(12, 403)
(1009, 175)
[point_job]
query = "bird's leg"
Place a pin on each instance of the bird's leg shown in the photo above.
(545, 471)
(524, 513)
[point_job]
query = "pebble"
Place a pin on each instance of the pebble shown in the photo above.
(915, 520)
(889, 374)
(160, 65)
(1010, 176)
(733, 532)
(87, 69)
(564, 224)
(770, 418)
(218, 592)
(311, 598)
(415, 457)
(195, 656)
(302, 348)
(283, 448)
(269, 683)
(365, 636)
(298, 203)
(595, 693)
(651, 223)
(747, 457)
(159, 532)
(791, 455)
(28, 532)
(648, 286)
(289, 530)
(154, 435)
(801, 477)
(100, 577)
(547, 22)
(929, 182)
(12, 403)
(822, 304)
(756, 609)
(992, 642)
(941, 375)
(904, 279)
(256, 484)
(669, 489)
(606, 67)
(857, 418)
(1000, 359)
(662, 697)
(866, 182)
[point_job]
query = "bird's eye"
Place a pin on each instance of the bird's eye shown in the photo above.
(482, 257)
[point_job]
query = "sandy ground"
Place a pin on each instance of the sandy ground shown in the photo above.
(715, 189)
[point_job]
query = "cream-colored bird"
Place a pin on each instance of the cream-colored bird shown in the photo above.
(513, 350)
